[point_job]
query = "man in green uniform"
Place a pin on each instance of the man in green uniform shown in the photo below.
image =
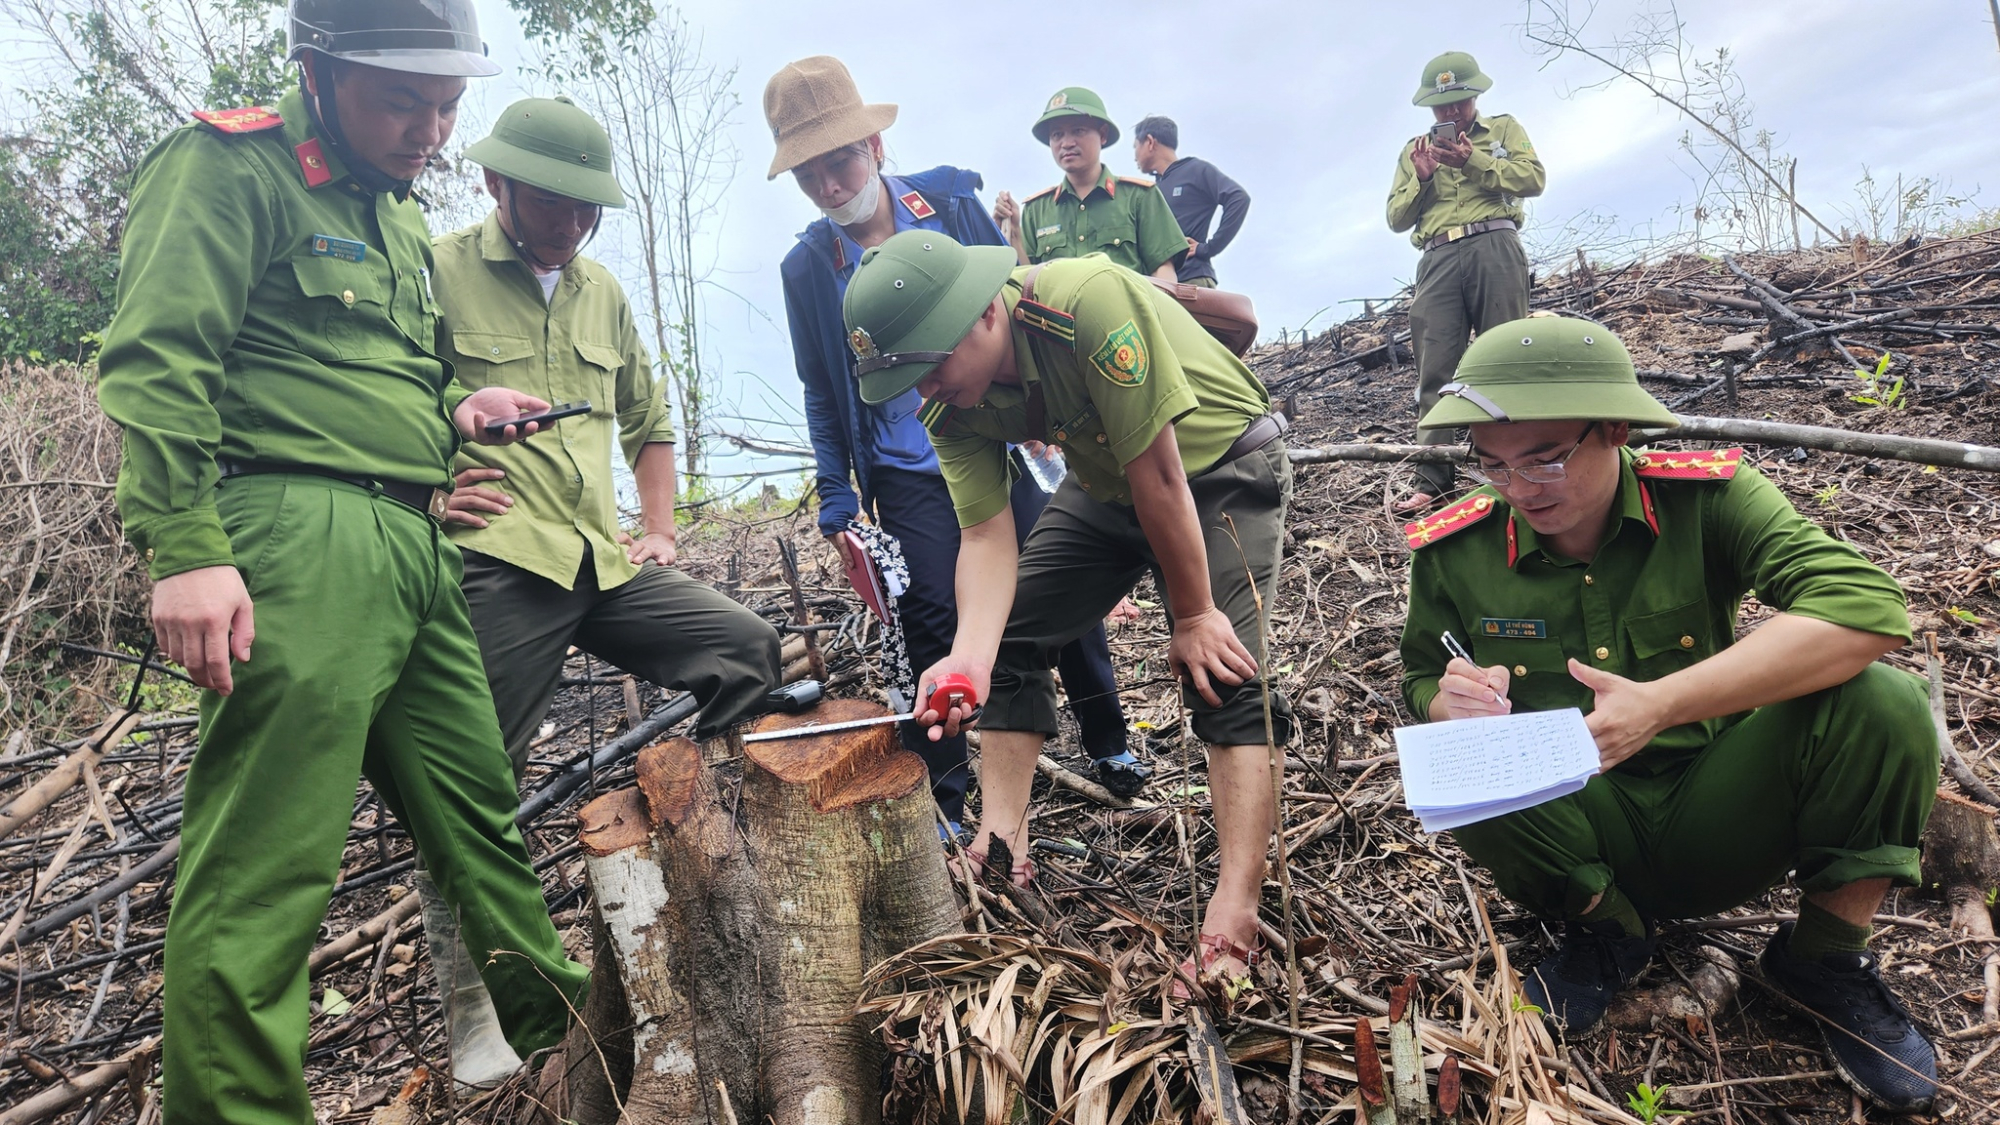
(288, 431)
(1177, 466)
(1586, 575)
(1461, 200)
(1091, 211)
(546, 564)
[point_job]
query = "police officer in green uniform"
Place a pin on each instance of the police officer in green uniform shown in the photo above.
(1461, 201)
(288, 431)
(1176, 464)
(546, 563)
(1091, 211)
(1587, 575)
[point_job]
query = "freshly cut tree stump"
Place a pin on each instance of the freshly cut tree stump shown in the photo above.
(741, 899)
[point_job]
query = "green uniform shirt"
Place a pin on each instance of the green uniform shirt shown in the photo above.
(497, 331)
(269, 309)
(1116, 360)
(1124, 219)
(1650, 604)
(1502, 170)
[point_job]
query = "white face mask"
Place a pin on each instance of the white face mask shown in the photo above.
(861, 208)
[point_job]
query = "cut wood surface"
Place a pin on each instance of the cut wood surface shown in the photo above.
(742, 903)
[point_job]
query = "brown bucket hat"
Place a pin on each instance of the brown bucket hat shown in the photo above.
(813, 107)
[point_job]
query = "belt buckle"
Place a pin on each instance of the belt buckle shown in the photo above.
(439, 505)
(1453, 234)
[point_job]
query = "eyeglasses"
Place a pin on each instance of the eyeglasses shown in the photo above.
(1540, 472)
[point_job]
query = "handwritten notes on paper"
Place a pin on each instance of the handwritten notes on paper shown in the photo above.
(1463, 771)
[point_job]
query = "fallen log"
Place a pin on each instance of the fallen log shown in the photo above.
(59, 780)
(742, 902)
(364, 935)
(1922, 451)
(70, 1091)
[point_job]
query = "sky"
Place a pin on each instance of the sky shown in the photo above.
(1307, 106)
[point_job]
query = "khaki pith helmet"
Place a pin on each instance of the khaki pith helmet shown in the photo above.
(910, 303)
(550, 143)
(1451, 77)
(1543, 369)
(813, 107)
(1075, 101)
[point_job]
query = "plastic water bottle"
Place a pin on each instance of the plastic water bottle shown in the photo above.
(1047, 469)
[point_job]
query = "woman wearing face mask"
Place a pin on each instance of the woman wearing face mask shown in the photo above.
(831, 143)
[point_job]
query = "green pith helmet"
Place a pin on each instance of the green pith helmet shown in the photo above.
(1075, 101)
(438, 37)
(911, 301)
(1542, 369)
(1451, 77)
(552, 144)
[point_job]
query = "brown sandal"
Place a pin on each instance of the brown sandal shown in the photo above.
(1023, 871)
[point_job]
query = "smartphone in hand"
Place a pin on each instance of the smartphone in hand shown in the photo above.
(553, 413)
(1444, 133)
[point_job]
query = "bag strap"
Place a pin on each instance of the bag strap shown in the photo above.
(1038, 408)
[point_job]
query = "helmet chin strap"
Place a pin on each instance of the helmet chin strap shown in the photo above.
(325, 112)
(527, 252)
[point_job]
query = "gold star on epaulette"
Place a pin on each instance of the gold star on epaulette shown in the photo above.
(1451, 521)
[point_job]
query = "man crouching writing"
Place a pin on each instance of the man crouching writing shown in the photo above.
(1588, 575)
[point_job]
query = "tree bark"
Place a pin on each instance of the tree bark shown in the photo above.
(741, 899)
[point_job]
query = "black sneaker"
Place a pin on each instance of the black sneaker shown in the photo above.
(1574, 987)
(1873, 1042)
(1122, 774)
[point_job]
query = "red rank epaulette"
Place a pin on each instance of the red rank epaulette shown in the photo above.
(1137, 181)
(1451, 521)
(1049, 190)
(250, 119)
(1688, 464)
(919, 207)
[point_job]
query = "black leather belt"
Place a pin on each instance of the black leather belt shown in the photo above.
(1453, 234)
(1255, 436)
(425, 499)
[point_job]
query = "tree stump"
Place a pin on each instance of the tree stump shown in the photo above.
(740, 901)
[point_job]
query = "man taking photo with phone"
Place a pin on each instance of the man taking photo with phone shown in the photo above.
(1458, 190)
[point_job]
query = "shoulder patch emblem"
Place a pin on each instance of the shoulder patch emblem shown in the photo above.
(1051, 324)
(251, 119)
(1451, 521)
(312, 163)
(935, 415)
(1691, 464)
(1121, 358)
(918, 206)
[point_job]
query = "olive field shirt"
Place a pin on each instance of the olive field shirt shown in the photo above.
(582, 345)
(270, 309)
(1662, 594)
(1124, 219)
(1116, 360)
(1502, 171)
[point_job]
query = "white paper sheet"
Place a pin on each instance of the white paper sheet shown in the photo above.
(1467, 770)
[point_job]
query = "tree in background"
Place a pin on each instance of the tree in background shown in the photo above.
(668, 112)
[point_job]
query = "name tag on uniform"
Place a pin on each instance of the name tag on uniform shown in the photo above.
(1526, 627)
(1044, 232)
(346, 249)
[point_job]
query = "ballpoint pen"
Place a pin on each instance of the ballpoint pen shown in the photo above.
(1453, 648)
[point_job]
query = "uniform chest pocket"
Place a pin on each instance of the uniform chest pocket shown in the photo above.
(1666, 642)
(483, 359)
(599, 371)
(1523, 657)
(342, 310)
(1111, 228)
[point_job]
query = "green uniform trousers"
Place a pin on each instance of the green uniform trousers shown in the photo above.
(364, 664)
(1835, 786)
(1462, 287)
(662, 626)
(1084, 555)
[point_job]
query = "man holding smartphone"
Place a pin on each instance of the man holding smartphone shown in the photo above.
(1458, 190)
(547, 565)
(288, 431)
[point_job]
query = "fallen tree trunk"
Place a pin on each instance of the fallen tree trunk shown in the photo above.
(1922, 451)
(741, 903)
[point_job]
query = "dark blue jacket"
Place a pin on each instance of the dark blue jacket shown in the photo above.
(843, 442)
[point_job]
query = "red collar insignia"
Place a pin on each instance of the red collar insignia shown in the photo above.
(918, 206)
(312, 164)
